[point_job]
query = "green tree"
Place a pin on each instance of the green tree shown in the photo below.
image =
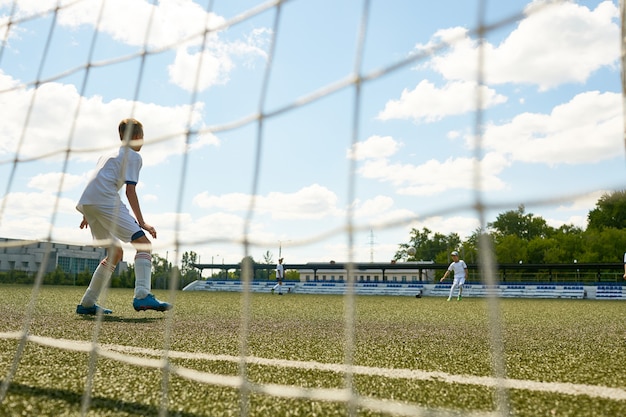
(161, 270)
(188, 272)
(188, 261)
(610, 211)
(125, 279)
(56, 277)
(521, 224)
(543, 250)
(511, 249)
(469, 247)
(428, 245)
(571, 243)
(268, 258)
(606, 245)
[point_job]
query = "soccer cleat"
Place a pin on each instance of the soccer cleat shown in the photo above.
(459, 298)
(280, 293)
(449, 298)
(272, 290)
(150, 303)
(92, 311)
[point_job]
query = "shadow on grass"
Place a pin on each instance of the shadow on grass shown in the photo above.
(73, 398)
(116, 319)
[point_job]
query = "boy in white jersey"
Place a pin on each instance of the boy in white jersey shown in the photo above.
(280, 275)
(459, 269)
(111, 222)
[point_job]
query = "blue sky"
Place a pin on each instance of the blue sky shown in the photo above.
(552, 119)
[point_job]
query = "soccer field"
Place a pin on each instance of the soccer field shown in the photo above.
(411, 356)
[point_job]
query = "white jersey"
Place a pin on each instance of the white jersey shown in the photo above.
(458, 268)
(113, 171)
(280, 271)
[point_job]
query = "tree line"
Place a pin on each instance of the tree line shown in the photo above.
(518, 235)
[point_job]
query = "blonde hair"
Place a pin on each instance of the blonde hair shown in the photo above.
(133, 124)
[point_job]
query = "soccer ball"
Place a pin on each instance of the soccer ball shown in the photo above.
(411, 251)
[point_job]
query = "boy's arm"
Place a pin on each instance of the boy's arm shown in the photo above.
(445, 275)
(133, 200)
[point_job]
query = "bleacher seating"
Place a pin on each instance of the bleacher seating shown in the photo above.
(413, 289)
(610, 292)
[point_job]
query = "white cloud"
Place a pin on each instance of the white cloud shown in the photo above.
(563, 43)
(28, 215)
(427, 103)
(587, 129)
(435, 177)
(374, 147)
(311, 202)
(51, 181)
(50, 131)
(464, 226)
(373, 207)
(585, 203)
(177, 25)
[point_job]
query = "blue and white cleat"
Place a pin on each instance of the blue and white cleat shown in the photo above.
(92, 311)
(150, 303)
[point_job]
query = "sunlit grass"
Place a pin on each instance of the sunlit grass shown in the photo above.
(574, 341)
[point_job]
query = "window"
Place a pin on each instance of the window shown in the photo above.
(76, 265)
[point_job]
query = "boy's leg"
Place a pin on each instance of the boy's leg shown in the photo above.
(451, 291)
(143, 266)
(102, 274)
(144, 300)
(100, 278)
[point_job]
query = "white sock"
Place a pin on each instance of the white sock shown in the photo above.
(99, 279)
(451, 290)
(275, 286)
(143, 274)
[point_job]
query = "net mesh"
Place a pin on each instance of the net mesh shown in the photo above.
(45, 71)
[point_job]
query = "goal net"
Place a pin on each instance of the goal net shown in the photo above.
(325, 129)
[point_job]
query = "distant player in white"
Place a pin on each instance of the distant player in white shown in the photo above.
(459, 269)
(280, 275)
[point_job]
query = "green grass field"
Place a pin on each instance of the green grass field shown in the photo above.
(563, 357)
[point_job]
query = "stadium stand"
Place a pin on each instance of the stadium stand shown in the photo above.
(613, 292)
(413, 289)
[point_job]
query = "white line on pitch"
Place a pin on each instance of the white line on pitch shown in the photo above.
(566, 388)
(555, 387)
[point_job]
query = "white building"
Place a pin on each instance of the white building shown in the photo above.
(17, 255)
(407, 272)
